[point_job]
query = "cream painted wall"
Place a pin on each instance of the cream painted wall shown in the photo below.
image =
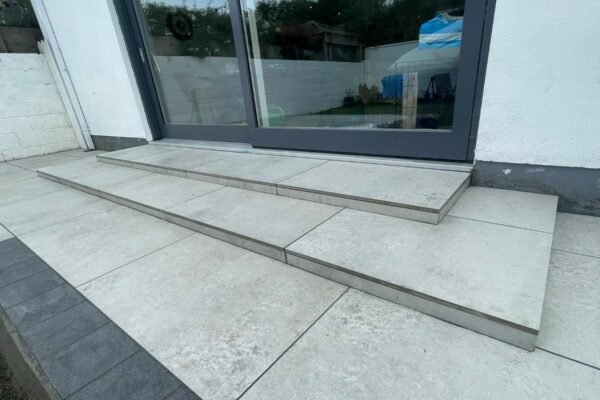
(92, 46)
(541, 102)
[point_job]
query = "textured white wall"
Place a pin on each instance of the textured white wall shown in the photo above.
(33, 119)
(541, 102)
(92, 45)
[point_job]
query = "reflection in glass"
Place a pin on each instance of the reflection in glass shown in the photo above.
(193, 60)
(354, 63)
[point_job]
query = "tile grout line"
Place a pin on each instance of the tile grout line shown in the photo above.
(299, 173)
(568, 358)
(312, 229)
(25, 277)
(497, 223)
(294, 342)
(41, 294)
(55, 351)
(66, 220)
(575, 253)
(104, 373)
(132, 261)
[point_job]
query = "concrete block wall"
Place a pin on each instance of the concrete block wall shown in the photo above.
(33, 120)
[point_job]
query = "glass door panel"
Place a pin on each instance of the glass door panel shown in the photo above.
(192, 58)
(361, 64)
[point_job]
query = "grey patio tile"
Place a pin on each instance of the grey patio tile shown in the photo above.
(105, 175)
(182, 393)
(577, 234)
(48, 209)
(182, 158)
(27, 188)
(419, 188)
(75, 167)
(275, 220)
(491, 269)
(140, 377)
(258, 167)
(78, 364)
(216, 315)
(37, 309)
(12, 251)
(21, 269)
(4, 234)
(10, 174)
(34, 163)
(135, 153)
(367, 348)
(29, 287)
(161, 191)
(89, 246)
(571, 317)
(63, 329)
(507, 207)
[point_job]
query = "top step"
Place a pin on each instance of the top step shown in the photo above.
(418, 194)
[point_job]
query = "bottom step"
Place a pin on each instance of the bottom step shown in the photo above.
(483, 276)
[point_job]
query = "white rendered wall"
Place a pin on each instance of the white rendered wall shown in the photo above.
(33, 119)
(91, 42)
(541, 102)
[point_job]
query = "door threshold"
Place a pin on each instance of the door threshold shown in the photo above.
(247, 148)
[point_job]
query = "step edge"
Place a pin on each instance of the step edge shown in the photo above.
(505, 331)
(413, 292)
(191, 174)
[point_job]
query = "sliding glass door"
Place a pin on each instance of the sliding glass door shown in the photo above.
(380, 77)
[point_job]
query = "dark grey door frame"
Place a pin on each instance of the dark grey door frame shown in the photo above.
(456, 145)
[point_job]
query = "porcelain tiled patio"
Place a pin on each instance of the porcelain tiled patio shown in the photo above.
(231, 323)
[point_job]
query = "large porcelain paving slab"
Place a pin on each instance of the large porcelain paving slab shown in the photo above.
(41, 211)
(577, 234)
(84, 248)
(416, 189)
(10, 174)
(491, 272)
(216, 315)
(181, 159)
(571, 317)
(507, 207)
(366, 348)
(272, 220)
(23, 189)
(160, 191)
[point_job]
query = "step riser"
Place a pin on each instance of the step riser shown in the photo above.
(464, 318)
(257, 187)
(421, 215)
(264, 249)
(469, 319)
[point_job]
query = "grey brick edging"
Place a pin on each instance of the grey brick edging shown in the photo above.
(62, 347)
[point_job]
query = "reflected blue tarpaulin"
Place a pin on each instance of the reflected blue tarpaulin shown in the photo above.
(441, 31)
(439, 40)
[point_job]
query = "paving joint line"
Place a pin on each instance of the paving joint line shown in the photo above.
(136, 259)
(294, 342)
(103, 374)
(568, 358)
(577, 254)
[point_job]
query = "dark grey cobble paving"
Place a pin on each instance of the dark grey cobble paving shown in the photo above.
(76, 347)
